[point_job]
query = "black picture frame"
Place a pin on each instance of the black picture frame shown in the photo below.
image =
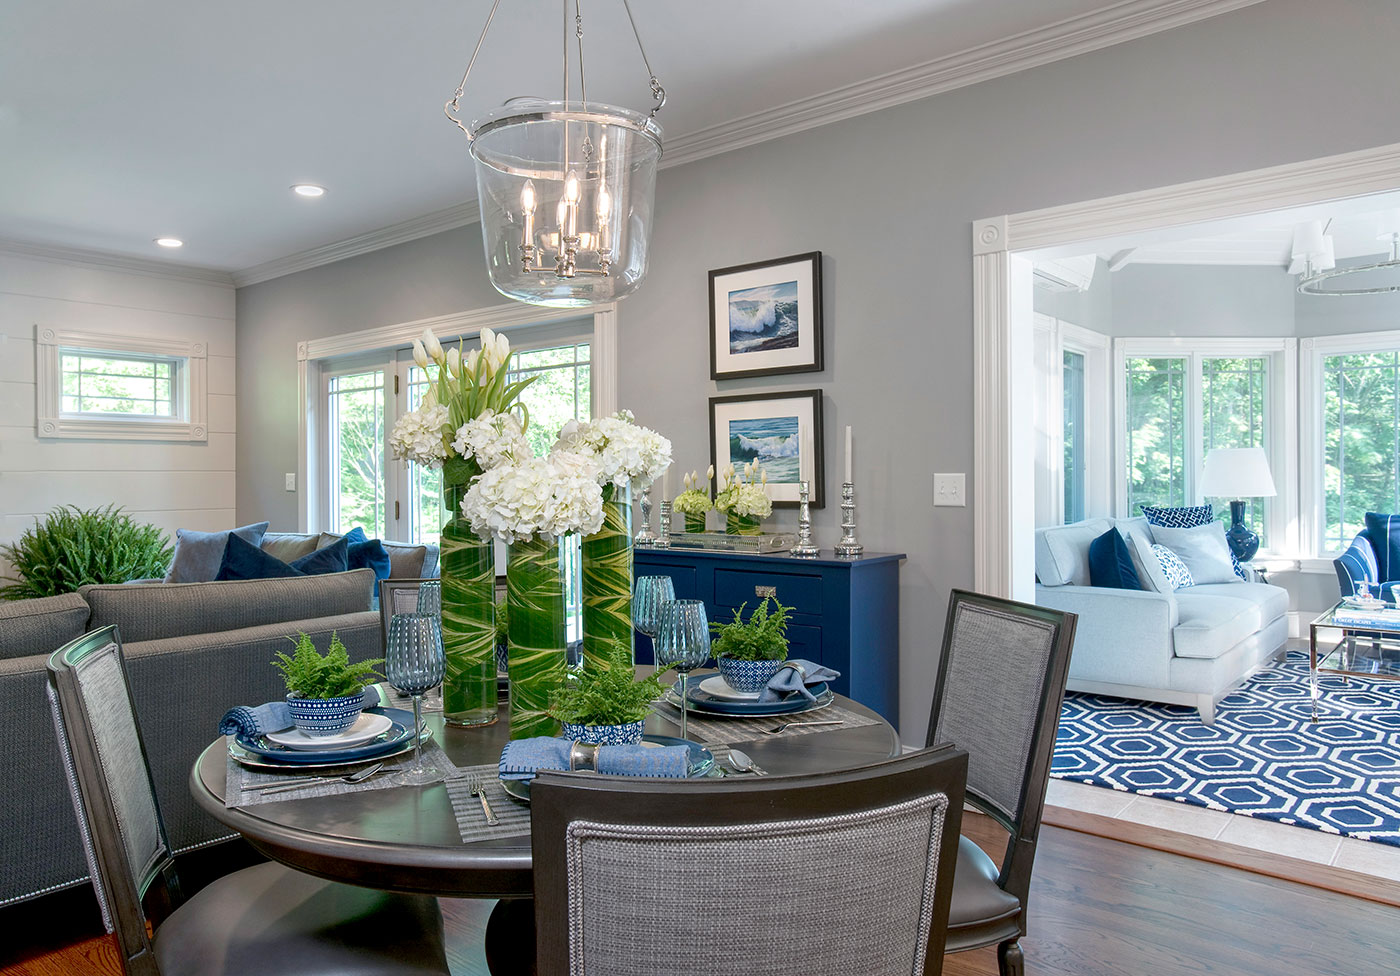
(806, 406)
(733, 358)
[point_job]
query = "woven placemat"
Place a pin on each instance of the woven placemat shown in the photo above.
(239, 780)
(712, 730)
(514, 816)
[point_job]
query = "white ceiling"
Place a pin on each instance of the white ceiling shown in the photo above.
(120, 123)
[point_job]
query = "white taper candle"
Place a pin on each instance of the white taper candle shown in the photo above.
(848, 455)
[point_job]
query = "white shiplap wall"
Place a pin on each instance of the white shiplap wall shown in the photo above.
(170, 484)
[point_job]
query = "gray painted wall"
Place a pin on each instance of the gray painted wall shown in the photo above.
(889, 198)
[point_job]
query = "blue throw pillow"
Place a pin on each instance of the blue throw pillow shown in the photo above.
(1187, 518)
(1172, 567)
(243, 561)
(198, 555)
(333, 558)
(366, 553)
(1110, 563)
(1384, 531)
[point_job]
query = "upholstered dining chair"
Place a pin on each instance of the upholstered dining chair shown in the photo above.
(1000, 685)
(835, 873)
(265, 918)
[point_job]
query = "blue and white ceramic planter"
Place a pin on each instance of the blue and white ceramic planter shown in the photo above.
(750, 677)
(325, 716)
(628, 734)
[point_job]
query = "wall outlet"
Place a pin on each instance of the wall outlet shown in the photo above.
(950, 489)
(291, 481)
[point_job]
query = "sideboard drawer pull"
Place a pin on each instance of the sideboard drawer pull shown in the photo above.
(765, 591)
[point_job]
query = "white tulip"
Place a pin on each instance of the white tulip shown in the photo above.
(432, 346)
(420, 355)
(709, 475)
(502, 350)
(470, 365)
(454, 361)
(765, 477)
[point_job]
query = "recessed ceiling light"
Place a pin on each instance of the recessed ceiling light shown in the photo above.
(308, 190)
(170, 242)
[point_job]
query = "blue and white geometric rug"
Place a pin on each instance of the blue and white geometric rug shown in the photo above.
(1262, 758)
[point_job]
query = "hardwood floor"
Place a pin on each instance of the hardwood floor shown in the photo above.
(1098, 908)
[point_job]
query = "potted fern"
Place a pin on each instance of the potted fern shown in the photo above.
(606, 706)
(750, 652)
(325, 693)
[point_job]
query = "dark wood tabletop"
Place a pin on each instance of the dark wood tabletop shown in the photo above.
(406, 838)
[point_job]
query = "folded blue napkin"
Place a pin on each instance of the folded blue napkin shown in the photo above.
(795, 676)
(522, 758)
(246, 720)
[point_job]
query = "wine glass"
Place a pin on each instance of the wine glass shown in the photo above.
(413, 664)
(430, 601)
(649, 595)
(683, 642)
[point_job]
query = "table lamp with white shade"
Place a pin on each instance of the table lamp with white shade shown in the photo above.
(1239, 473)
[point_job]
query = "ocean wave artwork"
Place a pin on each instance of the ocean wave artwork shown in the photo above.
(763, 318)
(773, 442)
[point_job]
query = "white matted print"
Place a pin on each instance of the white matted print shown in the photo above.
(780, 431)
(766, 318)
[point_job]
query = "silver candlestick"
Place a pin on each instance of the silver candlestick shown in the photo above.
(644, 536)
(848, 546)
(804, 548)
(663, 536)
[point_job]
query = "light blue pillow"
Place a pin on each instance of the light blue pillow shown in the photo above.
(198, 555)
(1172, 567)
(1202, 548)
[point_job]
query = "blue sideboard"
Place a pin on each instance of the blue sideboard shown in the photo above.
(845, 612)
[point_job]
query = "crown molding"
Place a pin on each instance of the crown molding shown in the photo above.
(111, 261)
(400, 233)
(1121, 22)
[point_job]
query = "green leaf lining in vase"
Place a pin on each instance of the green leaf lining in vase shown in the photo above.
(607, 582)
(535, 592)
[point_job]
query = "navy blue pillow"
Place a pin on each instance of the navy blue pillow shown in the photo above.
(366, 553)
(1110, 564)
(333, 558)
(1384, 531)
(245, 561)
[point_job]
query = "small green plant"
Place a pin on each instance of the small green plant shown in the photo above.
(609, 696)
(310, 675)
(73, 547)
(762, 638)
(502, 620)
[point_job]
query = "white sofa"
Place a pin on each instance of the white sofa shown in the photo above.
(1190, 647)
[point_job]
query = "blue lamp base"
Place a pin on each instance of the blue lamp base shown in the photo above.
(1243, 543)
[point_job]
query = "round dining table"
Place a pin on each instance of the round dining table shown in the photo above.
(406, 838)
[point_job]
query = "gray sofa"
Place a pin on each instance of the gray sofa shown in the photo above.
(1188, 647)
(192, 650)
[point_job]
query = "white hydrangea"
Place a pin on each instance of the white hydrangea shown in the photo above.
(752, 499)
(493, 439)
(625, 451)
(418, 435)
(535, 497)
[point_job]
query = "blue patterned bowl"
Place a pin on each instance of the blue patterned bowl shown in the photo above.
(749, 677)
(325, 716)
(628, 734)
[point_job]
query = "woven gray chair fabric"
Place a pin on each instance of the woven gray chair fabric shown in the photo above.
(858, 887)
(1001, 680)
(995, 679)
(261, 919)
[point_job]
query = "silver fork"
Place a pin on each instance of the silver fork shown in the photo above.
(478, 789)
(793, 725)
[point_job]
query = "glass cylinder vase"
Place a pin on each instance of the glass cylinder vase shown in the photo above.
(536, 646)
(468, 571)
(736, 524)
(695, 523)
(607, 579)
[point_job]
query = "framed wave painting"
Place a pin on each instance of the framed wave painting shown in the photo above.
(766, 318)
(781, 431)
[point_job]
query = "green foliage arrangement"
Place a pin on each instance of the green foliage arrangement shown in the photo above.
(73, 547)
(606, 696)
(762, 638)
(502, 620)
(310, 675)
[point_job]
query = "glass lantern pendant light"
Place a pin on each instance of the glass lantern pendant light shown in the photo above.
(565, 187)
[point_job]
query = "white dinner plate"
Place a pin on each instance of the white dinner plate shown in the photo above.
(366, 727)
(717, 686)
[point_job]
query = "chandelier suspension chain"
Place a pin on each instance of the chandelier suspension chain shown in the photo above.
(657, 92)
(451, 106)
(578, 30)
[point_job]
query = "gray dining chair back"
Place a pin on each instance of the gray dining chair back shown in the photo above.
(835, 873)
(265, 918)
(1000, 685)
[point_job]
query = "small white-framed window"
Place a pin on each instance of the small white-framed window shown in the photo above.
(106, 385)
(1073, 477)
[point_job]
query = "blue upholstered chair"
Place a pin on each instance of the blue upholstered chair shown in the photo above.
(1370, 559)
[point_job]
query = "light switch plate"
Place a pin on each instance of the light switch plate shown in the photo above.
(291, 481)
(950, 489)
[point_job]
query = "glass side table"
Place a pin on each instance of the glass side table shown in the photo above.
(1369, 650)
